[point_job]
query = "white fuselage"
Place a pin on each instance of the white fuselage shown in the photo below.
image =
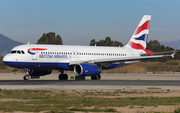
(49, 56)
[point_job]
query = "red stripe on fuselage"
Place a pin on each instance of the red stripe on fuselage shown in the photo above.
(143, 27)
(36, 49)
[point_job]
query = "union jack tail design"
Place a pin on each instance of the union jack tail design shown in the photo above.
(140, 36)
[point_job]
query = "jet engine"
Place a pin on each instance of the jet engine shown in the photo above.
(86, 69)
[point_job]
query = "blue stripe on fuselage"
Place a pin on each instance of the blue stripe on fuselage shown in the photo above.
(56, 66)
(40, 65)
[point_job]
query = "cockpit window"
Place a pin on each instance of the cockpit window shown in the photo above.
(14, 51)
(18, 52)
(22, 52)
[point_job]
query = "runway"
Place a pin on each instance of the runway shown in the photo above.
(109, 81)
(94, 82)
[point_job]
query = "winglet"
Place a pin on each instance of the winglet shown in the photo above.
(172, 55)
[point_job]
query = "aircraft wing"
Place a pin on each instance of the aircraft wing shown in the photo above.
(112, 60)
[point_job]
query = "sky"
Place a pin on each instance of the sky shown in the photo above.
(80, 21)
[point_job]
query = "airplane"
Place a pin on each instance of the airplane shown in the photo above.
(40, 59)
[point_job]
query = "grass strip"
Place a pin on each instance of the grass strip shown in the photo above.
(56, 101)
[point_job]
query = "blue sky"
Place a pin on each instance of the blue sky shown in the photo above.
(79, 21)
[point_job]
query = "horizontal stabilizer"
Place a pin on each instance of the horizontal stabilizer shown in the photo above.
(157, 53)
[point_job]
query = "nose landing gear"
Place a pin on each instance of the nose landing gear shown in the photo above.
(26, 77)
(27, 72)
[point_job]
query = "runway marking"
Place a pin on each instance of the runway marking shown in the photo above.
(72, 77)
(154, 87)
(5, 78)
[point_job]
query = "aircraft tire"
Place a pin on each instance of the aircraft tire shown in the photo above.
(60, 77)
(96, 77)
(26, 77)
(63, 77)
(93, 77)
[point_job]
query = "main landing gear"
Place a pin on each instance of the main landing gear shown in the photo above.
(96, 77)
(63, 76)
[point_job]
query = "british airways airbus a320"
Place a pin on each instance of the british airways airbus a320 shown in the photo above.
(40, 59)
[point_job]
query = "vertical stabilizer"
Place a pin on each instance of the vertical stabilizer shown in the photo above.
(140, 36)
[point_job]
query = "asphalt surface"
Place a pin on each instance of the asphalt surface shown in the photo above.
(109, 81)
(94, 82)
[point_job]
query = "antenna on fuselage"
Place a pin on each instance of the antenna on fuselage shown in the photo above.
(95, 45)
(28, 43)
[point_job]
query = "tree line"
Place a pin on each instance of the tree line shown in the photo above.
(153, 45)
(50, 38)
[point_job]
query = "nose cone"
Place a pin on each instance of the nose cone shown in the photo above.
(5, 59)
(8, 60)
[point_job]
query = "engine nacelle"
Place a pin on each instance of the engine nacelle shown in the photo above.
(38, 72)
(86, 69)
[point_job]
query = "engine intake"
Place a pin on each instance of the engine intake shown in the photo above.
(86, 69)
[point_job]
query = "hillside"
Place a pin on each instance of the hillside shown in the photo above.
(6, 44)
(173, 44)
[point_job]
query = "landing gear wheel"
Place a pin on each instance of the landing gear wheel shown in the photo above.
(63, 77)
(96, 77)
(60, 77)
(26, 77)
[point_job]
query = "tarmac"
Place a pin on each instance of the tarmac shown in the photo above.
(108, 81)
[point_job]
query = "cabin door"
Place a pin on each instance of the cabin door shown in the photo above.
(34, 55)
